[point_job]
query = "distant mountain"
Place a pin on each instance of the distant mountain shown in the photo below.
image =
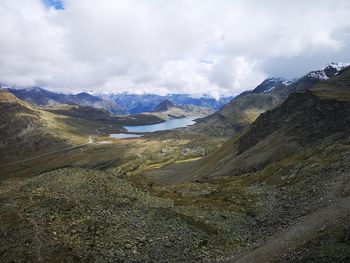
(246, 107)
(204, 101)
(306, 82)
(328, 71)
(168, 110)
(270, 84)
(44, 98)
(135, 103)
(164, 106)
(123, 103)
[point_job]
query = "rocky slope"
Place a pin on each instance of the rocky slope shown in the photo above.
(80, 215)
(303, 120)
(296, 157)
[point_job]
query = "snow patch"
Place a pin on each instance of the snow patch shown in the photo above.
(337, 65)
(318, 75)
(321, 74)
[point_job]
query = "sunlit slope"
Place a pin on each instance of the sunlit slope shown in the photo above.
(30, 131)
(25, 130)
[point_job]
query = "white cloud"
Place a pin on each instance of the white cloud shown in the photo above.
(213, 47)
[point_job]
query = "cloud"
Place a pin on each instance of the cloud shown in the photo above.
(198, 47)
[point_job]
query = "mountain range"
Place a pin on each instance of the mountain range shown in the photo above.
(115, 103)
(44, 98)
(264, 179)
(134, 103)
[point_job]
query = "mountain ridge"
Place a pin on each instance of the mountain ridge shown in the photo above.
(44, 98)
(241, 111)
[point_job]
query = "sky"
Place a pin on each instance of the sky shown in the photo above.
(213, 47)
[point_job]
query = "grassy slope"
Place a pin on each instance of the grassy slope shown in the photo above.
(29, 131)
(26, 130)
(336, 88)
(103, 117)
(181, 112)
(237, 114)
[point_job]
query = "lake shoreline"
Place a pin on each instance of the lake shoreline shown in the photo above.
(137, 131)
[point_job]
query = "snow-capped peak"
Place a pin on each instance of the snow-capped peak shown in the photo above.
(337, 65)
(34, 89)
(319, 74)
(3, 86)
(328, 71)
(270, 84)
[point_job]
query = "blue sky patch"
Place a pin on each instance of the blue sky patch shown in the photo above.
(57, 4)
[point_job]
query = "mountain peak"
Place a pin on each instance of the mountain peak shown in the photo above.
(270, 84)
(36, 89)
(164, 105)
(328, 71)
(337, 65)
(85, 95)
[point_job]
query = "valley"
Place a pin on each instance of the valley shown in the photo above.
(266, 178)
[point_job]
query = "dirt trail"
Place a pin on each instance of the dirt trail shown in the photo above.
(39, 256)
(309, 225)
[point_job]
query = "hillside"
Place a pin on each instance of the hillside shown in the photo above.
(25, 130)
(237, 115)
(164, 106)
(245, 108)
(300, 154)
(103, 117)
(168, 110)
(288, 174)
